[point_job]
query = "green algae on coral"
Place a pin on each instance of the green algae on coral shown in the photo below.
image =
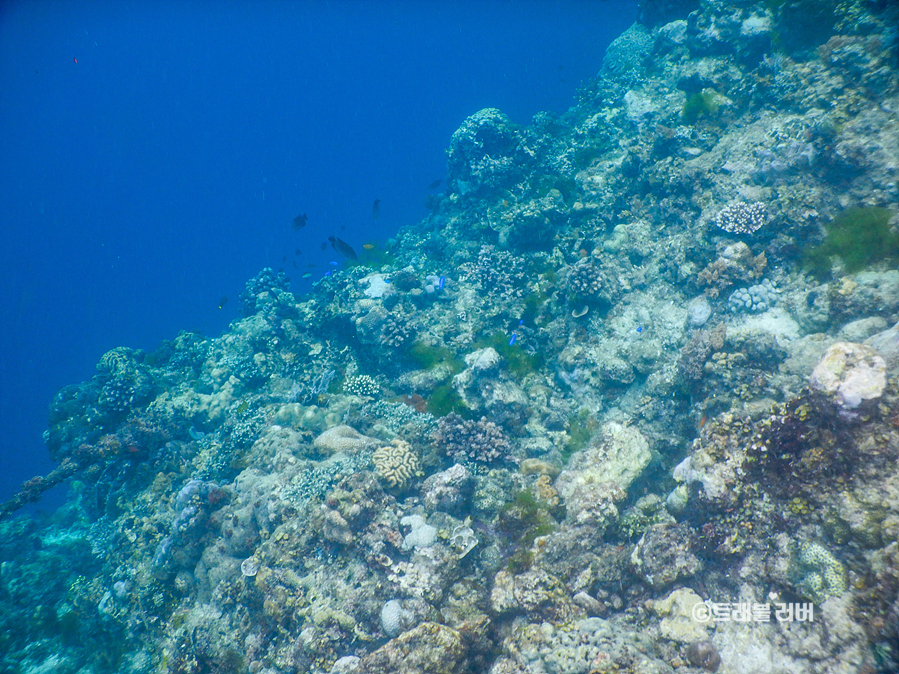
(427, 357)
(859, 237)
(703, 103)
(525, 519)
(518, 361)
(580, 429)
(444, 400)
(532, 305)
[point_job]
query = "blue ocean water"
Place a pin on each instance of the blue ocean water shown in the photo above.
(154, 155)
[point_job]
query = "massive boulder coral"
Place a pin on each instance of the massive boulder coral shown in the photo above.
(599, 476)
(482, 153)
(851, 377)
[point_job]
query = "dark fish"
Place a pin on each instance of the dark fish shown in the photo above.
(223, 302)
(434, 185)
(325, 245)
(343, 248)
(376, 209)
(297, 252)
(299, 222)
(283, 259)
(295, 265)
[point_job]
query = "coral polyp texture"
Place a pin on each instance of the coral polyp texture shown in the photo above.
(396, 463)
(479, 441)
(640, 360)
(741, 218)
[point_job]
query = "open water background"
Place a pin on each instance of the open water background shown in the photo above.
(154, 154)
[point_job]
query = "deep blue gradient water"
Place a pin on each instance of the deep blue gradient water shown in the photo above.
(154, 154)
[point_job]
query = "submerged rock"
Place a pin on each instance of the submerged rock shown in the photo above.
(426, 649)
(850, 377)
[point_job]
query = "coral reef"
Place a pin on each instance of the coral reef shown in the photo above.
(741, 218)
(479, 441)
(639, 358)
(396, 463)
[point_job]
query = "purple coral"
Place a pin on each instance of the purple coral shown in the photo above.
(465, 441)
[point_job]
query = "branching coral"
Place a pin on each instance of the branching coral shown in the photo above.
(480, 441)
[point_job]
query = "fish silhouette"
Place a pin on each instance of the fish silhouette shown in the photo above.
(376, 209)
(343, 248)
(299, 222)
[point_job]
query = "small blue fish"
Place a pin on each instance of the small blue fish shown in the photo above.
(333, 263)
(520, 322)
(640, 328)
(512, 341)
(440, 282)
(328, 273)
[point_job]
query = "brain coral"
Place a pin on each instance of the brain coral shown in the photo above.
(397, 463)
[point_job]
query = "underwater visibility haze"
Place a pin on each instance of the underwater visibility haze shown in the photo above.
(155, 156)
(438, 338)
